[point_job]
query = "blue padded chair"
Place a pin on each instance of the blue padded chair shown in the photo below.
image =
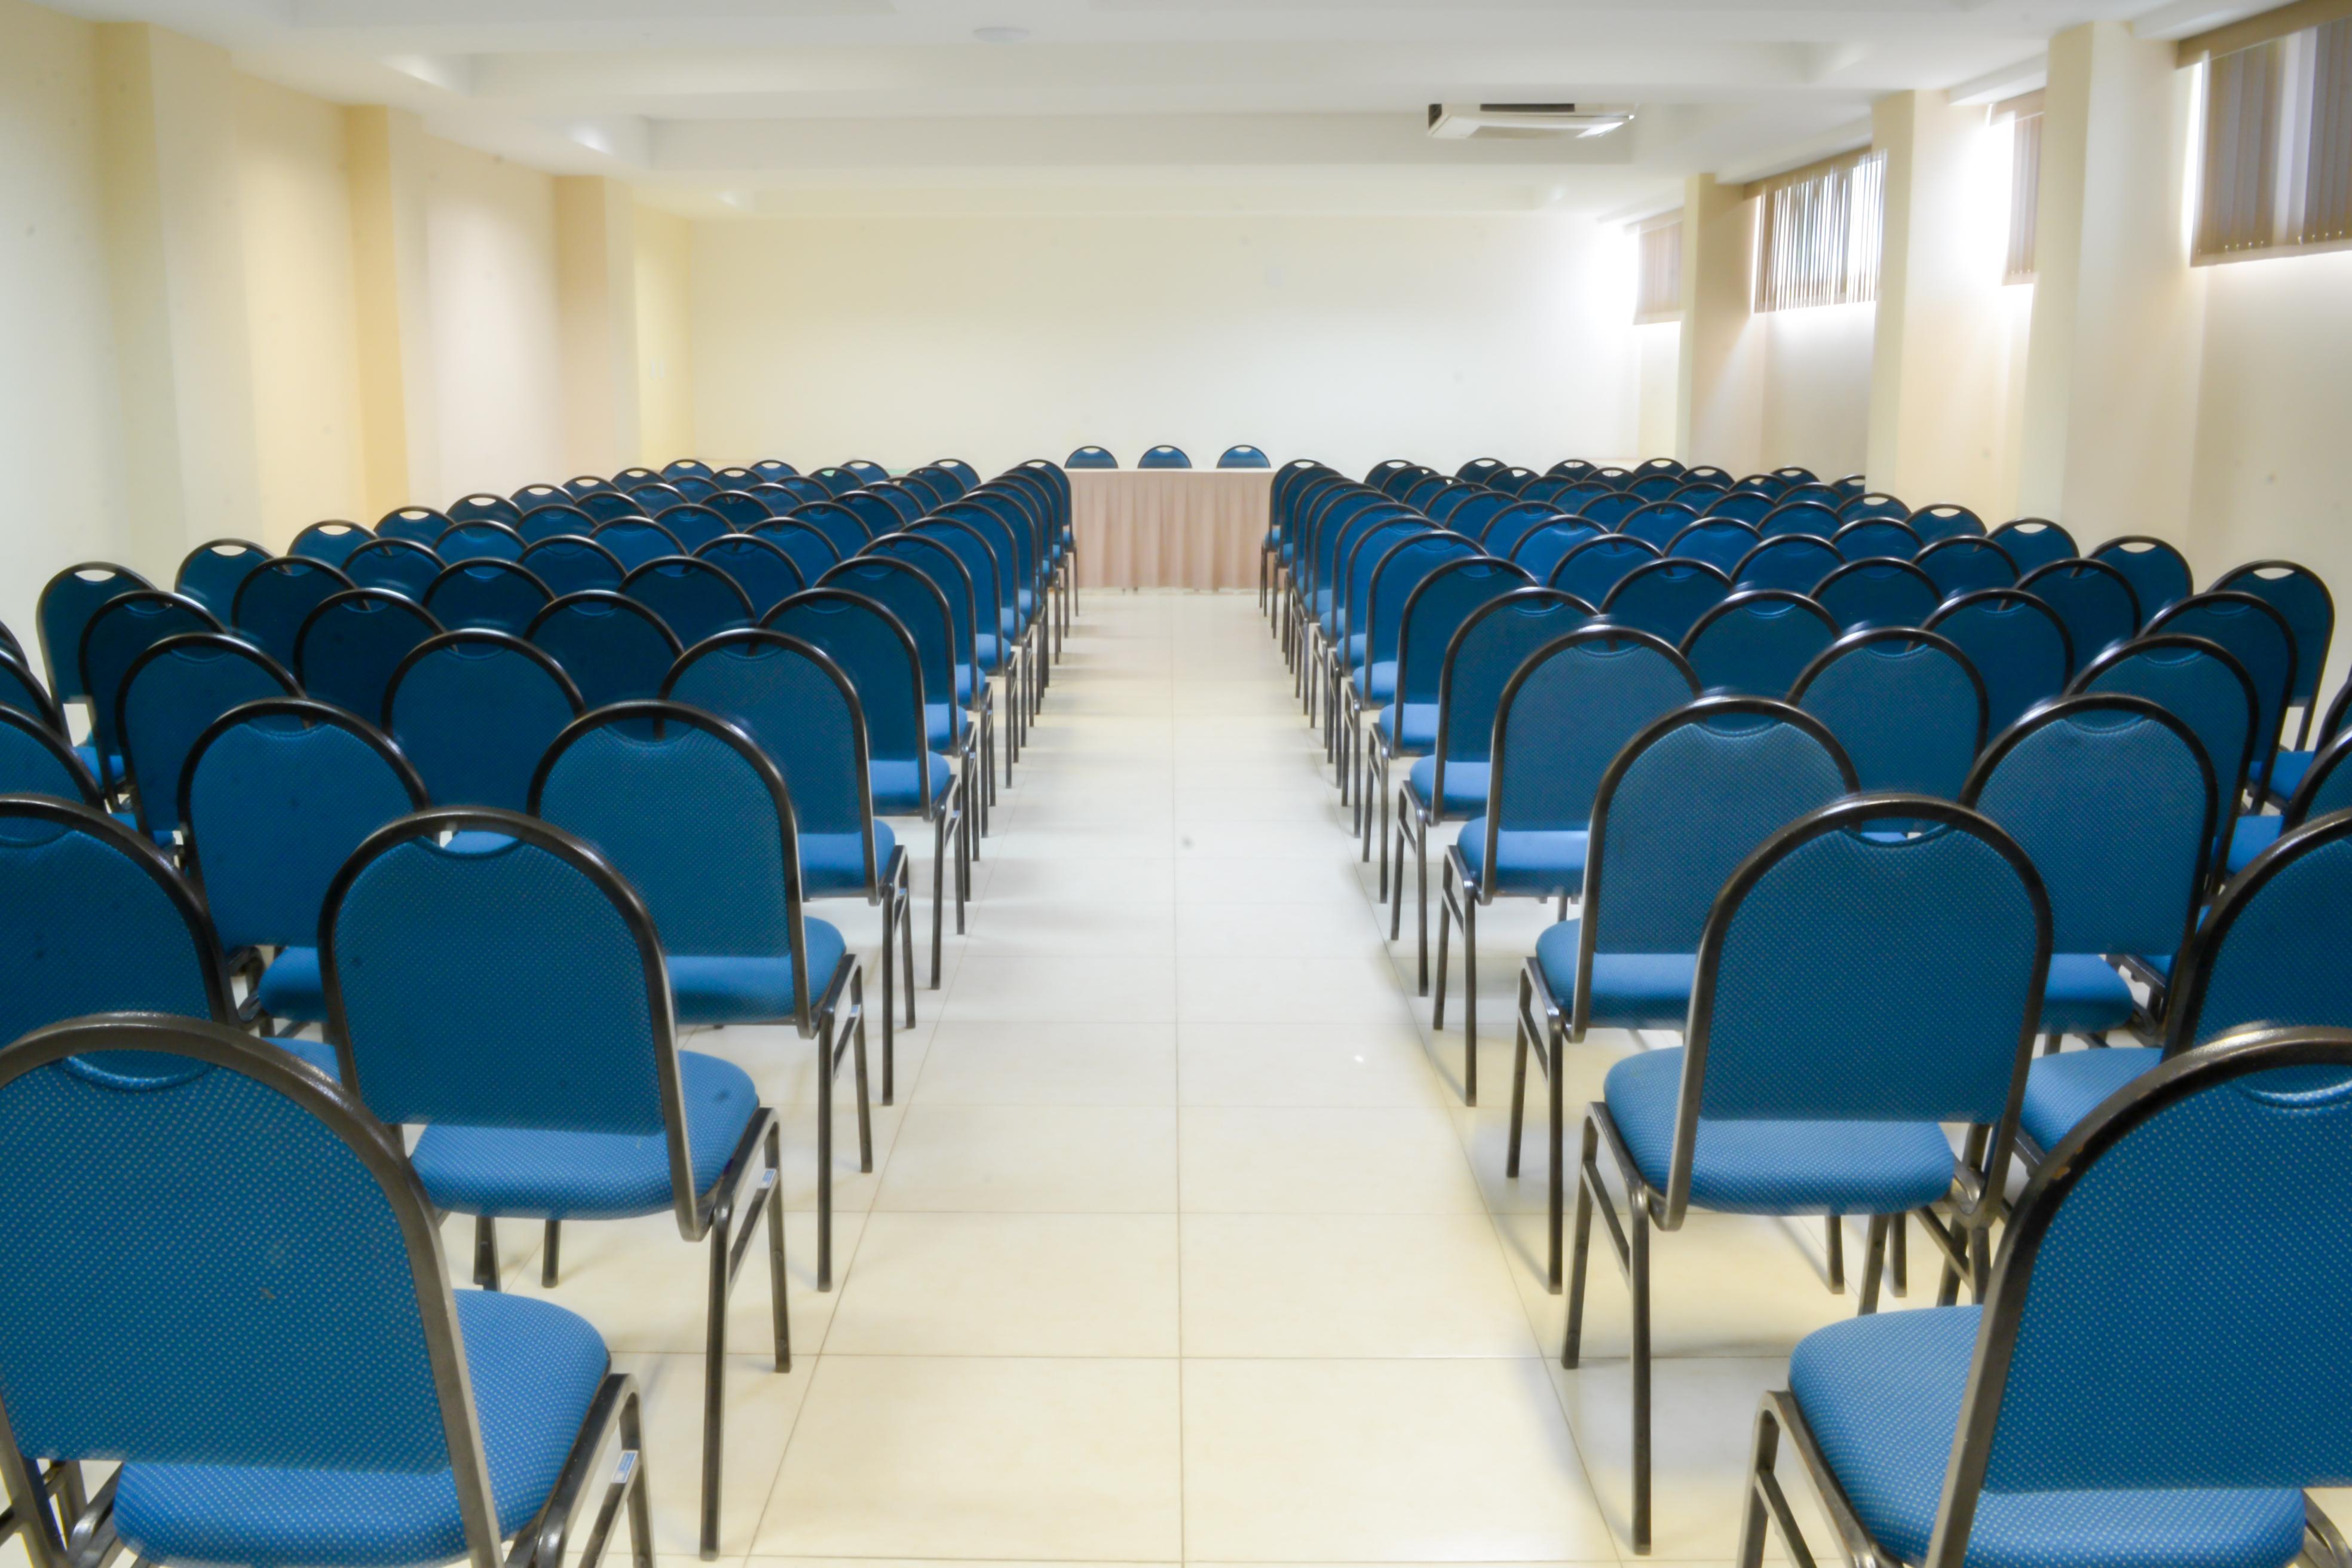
(568, 563)
(1907, 706)
(693, 525)
(965, 474)
(586, 484)
(1794, 561)
(812, 552)
(696, 492)
(2259, 637)
(2115, 799)
(1242, 457)
(1470, 514)
(36, 760)
(866, 469)
(1651, 488)
(2268, 951)
(505, 990)
(1658, 523)
(111, 641)
(1873, 503)
(211, 573)
(686, 468)
(2303, 601)
(1090, 457)
(613, 648)
(1867, 537)
(992, 602)
(1542, 548)
(1423, 492)
(1369, 681)
(1596, 566)
(475, 711)
(351, 645)
(1478, 471)
(21, 692)
(485, 507)
(2034, 542)
(530, 496)
(2045, 1426)
(279, 596)
(170, 694)
(1508, 525)
(424, 524)
(488, 593)
(2094, 600)
(932, 485)
(842, 527)
(636, 479)
(1567, 710)
(834, 480)
(1719, 542)
(920, 605)
(656, 497)
(758, 566)
(799, 705)
(482, 540)
(611, 506)
(740, 508)
(2324, 787)
(932, 556)
(399, 565)
(1609, 508)
(334, 542)
(1756, 643)
(1345, 630)
(1744, 506)
(2159, 572)
(1688, 798)
(634, 541)
(1665, 597)
(275, 796)
(2019, 645)
(1944, 520)
(907, 504)
(66, 602)
(694, 598)
(775, 469)
(1877, 591)
(555, 520)
(1700, 496)
(2200, 683)
(1965, 563)
(1798, 517)
(1809, 1083)
(472, 1419)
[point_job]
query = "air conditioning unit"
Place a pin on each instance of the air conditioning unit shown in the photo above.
(1469, 121)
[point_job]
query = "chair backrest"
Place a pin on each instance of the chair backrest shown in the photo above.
(1508, 523)
(688, 808)
(1242, 458)
(991, 594)
(1650, 488)
(903, 590)
(1470, 513)
(21, 692)
(351, 645)
(111, 641)
(2034, 542)
(843, 528)
(1689, 797)
(95, 921)
(790, 697)
(1544, 546)
(2233, 1154)
(931, 486)
(530, 496)
(1401, 568)
(2198, 682)
(279, 596)
(36, 760)
(570, 564)
(1909, 706)
(694, 598)
(611, 506)
(1594, 567)
(1720, 542)
(483, 506)
(1744, 506)
(332, 542)
(2093, 598)
(1657, 522)
(740, 508)
(1965, 563)
(1699, 495)
(1867, 537)
(2017, 643)
(1365, 552)
(1757, 642)
(1608, 507)
(773, 468)
(964, 472)
(907, 503)
(276, 795)
(1090, 457)
(1568, 710)
(422, 523)
(927, 552)
(482, 540)
(586, 484)
(1026, 504)
(657, 497)
(475, 711)
(836, 480)
(211, 573)
(1477, 470)
(1944, 520)
(170, 694)
(2302, 599)
(612, 648)
(555, 520)
(2326, 786)
(1798, 517)
(223, 1123)
(1878, 591)
(1872, 503)
(1425, 490)
(1795, 561)
(879, 654)
(489, 593)
(1665, 598)
(1788, 1023)
(2159, 572)
(693, 525)
(1436, 609)
(634, 541)
(1494, 639)
(811, 550)
(686, 468)
(2259, 637)
(66, 602)
(760, 567)
(401, 566)
(2114, 800)
(2270, 950)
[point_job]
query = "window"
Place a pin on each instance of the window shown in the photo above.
(1658, 295)
(1818, 234)
(2024, 116)
(2275, 171)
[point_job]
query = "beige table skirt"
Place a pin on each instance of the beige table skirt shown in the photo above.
(1170, 528)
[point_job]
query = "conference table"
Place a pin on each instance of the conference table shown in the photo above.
(1170, 528)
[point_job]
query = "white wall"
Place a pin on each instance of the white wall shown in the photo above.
(1658, 356)
(1816, 387)
(1000, 338)
(665, 320)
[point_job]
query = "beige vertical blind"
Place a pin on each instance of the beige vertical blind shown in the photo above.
(2024, 117)
(1658, 293)
(2275, 171)
(1817, 235)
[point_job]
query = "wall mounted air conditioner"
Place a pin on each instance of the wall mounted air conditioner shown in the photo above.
(1468, 122)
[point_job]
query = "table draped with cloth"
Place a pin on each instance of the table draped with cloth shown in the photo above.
(1170, 528)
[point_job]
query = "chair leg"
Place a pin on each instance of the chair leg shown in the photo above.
(1752, 1517)
(1572, 1348)
(1518, 1080)
(1639, 1236)
(549, 1251)
(486, 1252)
(857, 1057)
(1899, 1261)
(1556, 1082)
(824, 1047)
(905, 938)
(714, 1381)
(1444, 935)
(1837, 1255)
(1420, 891)
(779, 1313)
(889, 1008)
(939, 887)
(1873, 1262)
(1396, 884)
(1469, 996)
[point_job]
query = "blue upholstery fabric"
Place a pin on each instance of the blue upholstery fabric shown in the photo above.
(2197, 687)
(706, 989)
(292, 987)
(1630, 990)
(2061, 1091)
(495, 595)
(272, 604)
(1877, 592)
(350, 649)
(1963, 565)
(1758, 646)
(211, 574)
(1377, 684)
(1883, 1397)
(2019, 647)
(569, 565)
(117, 635)
(1665, 598)
(68, 602)
(2084, 995)
(1568, 718)
(534, 1368)
(2281, 962)
(1411, 727)
(634, 541)
(170, 701)
(1906, 713)
(613, 648)
(1783, 1167)
(1795, 561)
(898, 788)
(2297, 593)
(476, 717)
(2258, 641)
(2250, 837)
(1592, 569)
(694, 598)
(1538, 864)
(2094, 599)
(401, 565)
(2287, 771)
(2033, 542)
(880, 658)
(793, 707)
(833, 863)
(548, 1173)
(1465, 784)
(27, 766)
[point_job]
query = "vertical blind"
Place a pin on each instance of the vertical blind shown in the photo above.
(1818, 237)
(1658, 293)
(2275, 172)
(2024, 191)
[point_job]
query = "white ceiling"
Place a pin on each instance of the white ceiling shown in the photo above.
(839, 105)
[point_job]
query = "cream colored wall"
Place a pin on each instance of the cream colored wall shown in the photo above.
(999, 338)
(294, 202)
(1658, 356)
(1815, 387)
(665, 286)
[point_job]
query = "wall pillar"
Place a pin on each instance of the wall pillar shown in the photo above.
(1718, 409)
(392, 290)
(596, 297)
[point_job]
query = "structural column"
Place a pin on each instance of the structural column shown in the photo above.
(391, 291)
(1718, 412)
(596, 293)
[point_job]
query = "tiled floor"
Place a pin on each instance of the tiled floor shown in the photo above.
(1180, 1244)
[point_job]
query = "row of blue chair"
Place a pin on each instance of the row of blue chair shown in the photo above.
(1167, 457)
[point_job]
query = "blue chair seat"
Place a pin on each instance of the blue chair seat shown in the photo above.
(1378, 684)
(535, 1369)
(536, 1174)
(1630, 990)
(898, 788)
(1535, 864)
(88, 752)
(1410, 728)
(1027, 599)
(1882, 1395)
(2085, 995)
(967, 681)
(943, 724)
(1322, 604)
(1356, 641)
(1777, 1167)
(320, 1054)
(2249, 837)
(835, 863)
(1465, 784)
(2061, 1091)
(292, 986)
(991, 651)
(713, 989)
(2287, 771)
